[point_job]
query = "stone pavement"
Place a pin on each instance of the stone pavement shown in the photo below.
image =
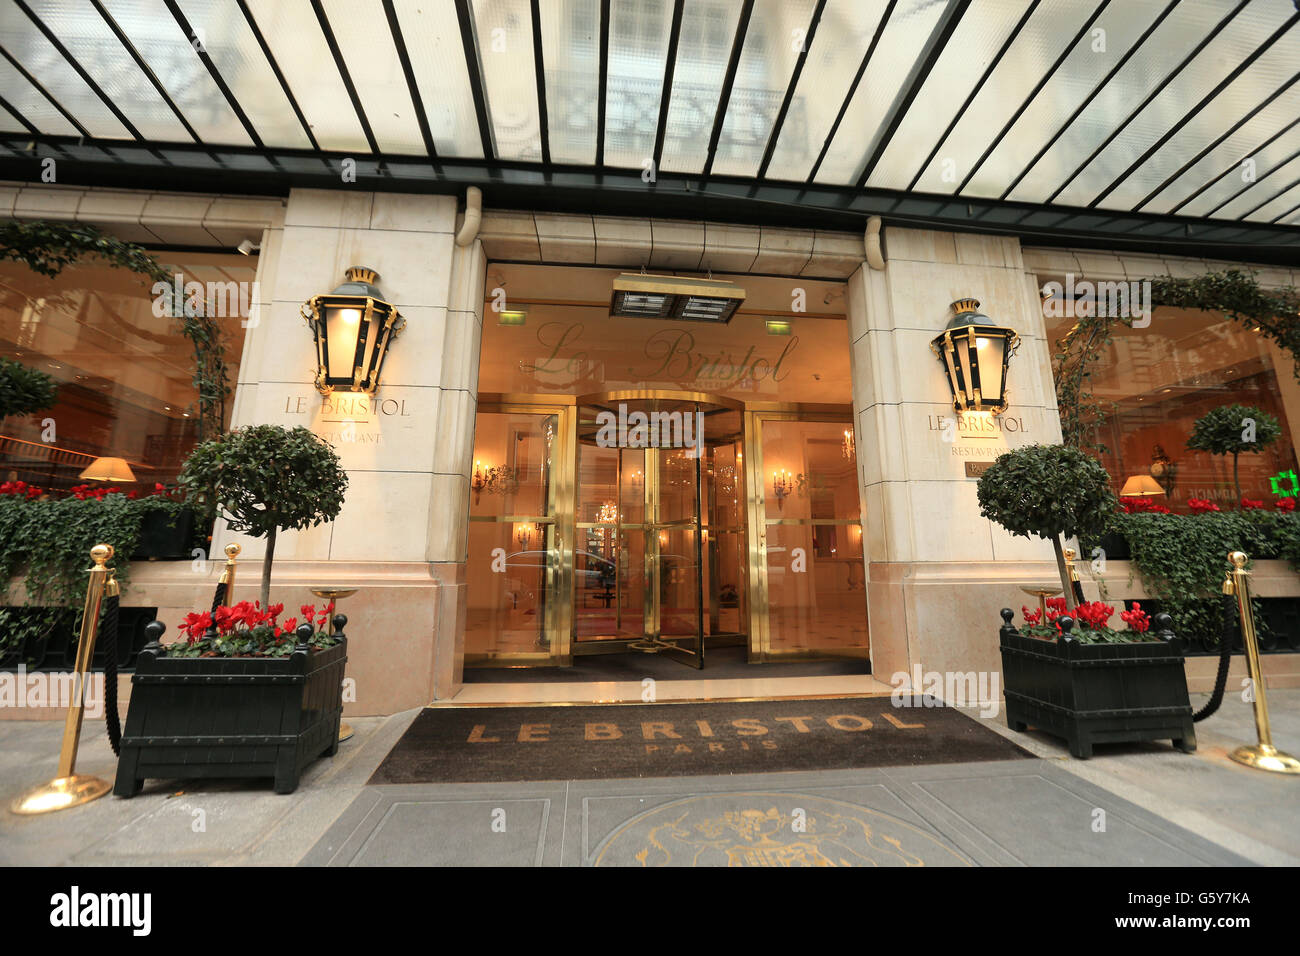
(1160, 807)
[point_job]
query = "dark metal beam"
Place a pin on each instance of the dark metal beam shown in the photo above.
(123, 39)
(81, 72)
(587, 189)
(342, 67)
(602, 93)
(404, 58)
(1251, 185)
(45, 93)
(539, 66)
(1087, 100)
(1281, 192)
(1293, 209)
(1217, 142)
(9, 108)
(790, 88)
(475, 70)
(1235, 166)
(193, 39)
(728, 81)
(1150, 97)
(853, 88)
(279, 75)
(666, 93)
(934, 48)
(1042, 81)
(1205, 101)
(979, 85)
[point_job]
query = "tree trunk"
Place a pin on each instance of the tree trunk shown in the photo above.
(1236, 480)
(266, 569)
(1066, 585)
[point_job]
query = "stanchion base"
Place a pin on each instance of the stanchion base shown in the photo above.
(345, 732)
(61, 793)
(1264, 757)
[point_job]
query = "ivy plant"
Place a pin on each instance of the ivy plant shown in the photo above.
(1234, 430)
(1048, 491)
(24, 390)
(47, 248)
(265, 478)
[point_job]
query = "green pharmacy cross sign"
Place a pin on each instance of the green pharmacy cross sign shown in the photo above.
(1279, 480)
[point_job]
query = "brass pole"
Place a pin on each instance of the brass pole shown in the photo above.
(69, 788)
(1261, 756)
(228, 575)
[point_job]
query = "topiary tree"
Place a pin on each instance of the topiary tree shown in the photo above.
(24, 390)
(264, 478)
(1234, 430)
(1048, 491)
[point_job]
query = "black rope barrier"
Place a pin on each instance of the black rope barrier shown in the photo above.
(108, 640)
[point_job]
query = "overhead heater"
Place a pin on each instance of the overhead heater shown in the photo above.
(675, 297)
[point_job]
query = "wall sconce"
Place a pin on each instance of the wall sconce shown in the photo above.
(353, 326)
(847, 448)
(974, 354)
(479, 481)
(781, 487)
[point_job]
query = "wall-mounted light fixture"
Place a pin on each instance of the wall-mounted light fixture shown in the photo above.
(974, 354)
(781, 487)
(354, 327)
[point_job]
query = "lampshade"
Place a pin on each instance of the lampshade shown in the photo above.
(108, 469)
(1141, 486)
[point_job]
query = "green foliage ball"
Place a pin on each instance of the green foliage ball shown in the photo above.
(1225, 430)
(1047, 490)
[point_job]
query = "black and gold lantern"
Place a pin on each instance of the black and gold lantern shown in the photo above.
(354, 328)
(974, 353)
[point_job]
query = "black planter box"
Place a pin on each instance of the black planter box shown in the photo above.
(164, 537)
(231, 716)
(1097, 693)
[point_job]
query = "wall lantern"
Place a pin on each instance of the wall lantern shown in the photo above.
(974, 353)
(353, 326)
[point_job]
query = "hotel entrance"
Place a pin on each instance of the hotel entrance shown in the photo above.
(697, 526)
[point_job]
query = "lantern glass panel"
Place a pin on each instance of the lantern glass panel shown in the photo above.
(342, 327)
(989, 351)
(962, 345)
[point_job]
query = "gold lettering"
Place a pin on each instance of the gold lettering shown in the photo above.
(532, 732)
(681, 749)
(838, 722)
(749, 727)
(662, 728)
(476, 736)
(899, 724)
(716, 748)
(705, 729)
(602, 732)
(799, 724)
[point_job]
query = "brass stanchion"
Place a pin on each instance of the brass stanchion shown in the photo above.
(335, 595)
(228, 575)
(69, 788)
(1261, 756)
(1075, 583)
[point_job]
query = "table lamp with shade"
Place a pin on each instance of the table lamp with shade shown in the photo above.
(1141, 486)
(108, 469)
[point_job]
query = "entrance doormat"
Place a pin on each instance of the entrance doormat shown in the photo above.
(593, 742)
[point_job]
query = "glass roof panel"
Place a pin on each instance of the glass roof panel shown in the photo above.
(361, 30)
(571, 55)
(1029, 57)
(28, 46)
(432, 35)
(964, 59)
(1232, 47)
(1230, 153)
(504, 29)
(1265, 163)
(1282, 204)
(638, 49)
(295, 39)
(843, 37)
(1159, 56)
(905, 36)
(31, 104)
(162, 44)
(9, 122)
(776, 35)
(90, 40)
(229, 40)
(1267, 185)
(1111, 36)
(708, 31)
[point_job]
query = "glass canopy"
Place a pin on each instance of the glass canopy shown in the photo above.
(1137, 106)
